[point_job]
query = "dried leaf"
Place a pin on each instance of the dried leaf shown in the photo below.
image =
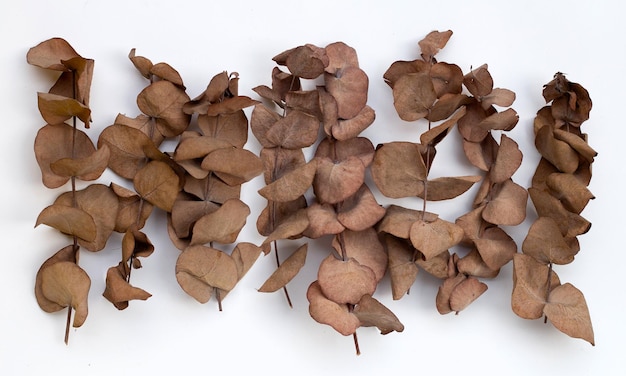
(434, 135)
(192, 145)
(67, 254)
(499, 97)
(50, 54)
(291, 185)
(67, 285)
(185, 213)
(142, 64)
(572, 192)
(413, 96)
(245, 255)
(165, 72)
(326, 311)
(442, 301)
(276, 213)
(232, 127)
(340, 56)
(399, 68)
(495, 247)
(234, 166)
(128, 209)
(364, 247)
(433, 42)
(306, 61)
(557, 152)
(286, 271)
(158, 184)
(473, 264)
(402, 268)
(508, 160)
(164, 101)
(398, 169)
(322, 221)
(570, 224)
(447, 188)
(479, 81)
(87, 169)
(465, 293)
(346, 129)
(69, 220)
(129, 149)
(545, 243)
(55, 109)
(118, 291)
(435, 237)
(223, 225)
(577, 143)
(54, 142)
(567, 310)
(360, 211)
(349, 88)
(345, 282)
(447, 78)
(399, 220)
(530, 286)
(295, 131)
(336, 181)
(508, 205)
(200, 270)
(371, 312)
(290, 227)
(481, 154)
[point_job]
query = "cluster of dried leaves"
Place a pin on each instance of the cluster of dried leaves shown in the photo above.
(559, 193)
(343, 205)
(431, 90)
(65, 153)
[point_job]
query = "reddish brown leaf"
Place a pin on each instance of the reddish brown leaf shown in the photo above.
(349, 88)
(567, 310)
(286, 271)
(435, 237)
(479, 81)
(223, 225)
(465, 293)
(67, 285)
(371, 312)
(447, 188)
(89, 168)
(118, 291)
(129, 149)
(157, 183)
(508, 205)
(291, 185)
(399, 220)
(50, 54)
(508, 160)
(350, 128)
(335, 182)
(401, 266)
(164, 101)
(232, 127)
(328, 312)
(322, 221)
(234, 166)
(55, 109)
(433, 42)
(345, 281)
(360, 211)
(69, 220)
(364, 247)
(398, 169)
(570, 190)
(245, 255)
(530, 286)
(545, 243)
(413, 96)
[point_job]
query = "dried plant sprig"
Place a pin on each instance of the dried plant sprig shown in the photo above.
(431, 90)
(344, 207)
(559, 194)
(208, 210)
(65, 153)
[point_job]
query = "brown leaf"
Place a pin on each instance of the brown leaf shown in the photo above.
(508, 205)
(158, 184)
(567, 310)
(50, 54)
(54, 142)
(398, 220)
(400, 68)
(447, 78)
(245, 255)
(229, 106)
(434, 135)
(447, 105)
(69, 220)
(118, 291)
(306, 61)
(67, 285)
(261, 121)
(336, 150)
(142, 64)
(232, 127)
(286, 271)
(345, 282)
(351, 128)
(364, 247)
(291, 185)
(328, 312)
(442, 301)
(234, 166)
(479, 81)
(128, 209)
(499, 97)
(465, 293)
(495, 247)
(290, 227)
(164, 101)
(434, 237)
(336, 181)
(223, 225)
(55, 109)
(437, 266)
(572, 192)
(398, 169)
(278, 162)
(433, 42)
(570, 224)
(135, 244)
(447, 188)
(200, 270)
(129, 149)
(530, 286)
(402, 268)
(186, 212)
(577, 143)
(64, 254)
(340, 56)
(371, 312)
(545, 243)
(87, 169)
(473, 264)
(413, 96)
(276, 213)
(322, 221)
(165, 72)
(481, 154)
(360, 211)
(508, 160)
(349, 88)
(557, 152)
(295, 131)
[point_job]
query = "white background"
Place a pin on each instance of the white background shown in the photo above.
(523, 42)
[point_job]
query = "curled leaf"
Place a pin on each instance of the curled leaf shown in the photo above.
(567, 310)
(371, 312)
(326, 311)
(67, 285)
(286, 271)
(345, 281)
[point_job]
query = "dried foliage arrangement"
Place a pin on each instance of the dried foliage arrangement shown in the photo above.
(343, 206)
(559, 194)
(66, 153)
(414, 239)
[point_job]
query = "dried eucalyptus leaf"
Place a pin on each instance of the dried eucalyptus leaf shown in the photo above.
(290, 227)
(499, 97)
(365, 247)
(340, 56)
(442, 301)
(142, 64)
(371, 312)
(322, 221)
(508, 160)
(307, 61)
(399, 68)
(447, 188)
(413, 96)
(479, 81)
(401, 265)
(345, 282)
(335, 182)
(87, 169)
(567, 310)
(261, 121)
(158, 184)
(447, 105)
(67, 285)
(447, 78)
(128, 209)
(530, 286)
(570, 224)
(136, 244)
(572, 192)
(233, 165)
(54, 142)
(232, 127)
(351, 128)
(56, 109)
(245, 255)
(129, 149)
(328, 312)
(291, 185)
(473, 264)
(297, 130)
(481, 154)
(223, 225)
(194, 146)
(545, 243)
(496, 247)
(360, 211)
(399, 220)
(508, 205)
(286, 271)
(577, 143)
(349, 88)
(433, 42)
(307, 101)
(69, 220)
(336, 150)
(165, 72)
(435, 237)
(164, 101)
(200, 270)
(119, 292)
(229, 106)
(50, 54)
(434, 135)
(67, 254)
(500, 121)
(398, 169)
(465, 293)
(557, 152)
(278, 162)
(185, 213)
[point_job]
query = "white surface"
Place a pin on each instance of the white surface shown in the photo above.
(524, 43)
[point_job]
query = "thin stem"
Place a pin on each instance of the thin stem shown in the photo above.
(277, 266)
(427, 163)
(548, 288)
(219, 299)
(356, 344)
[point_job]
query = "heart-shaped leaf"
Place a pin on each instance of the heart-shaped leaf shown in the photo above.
(567, 310)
